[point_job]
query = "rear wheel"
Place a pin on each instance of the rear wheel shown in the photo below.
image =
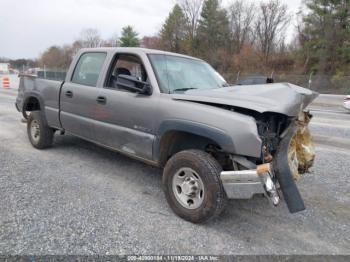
(39, 133)
(192, 186)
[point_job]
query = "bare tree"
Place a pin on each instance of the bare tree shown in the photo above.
(59, 57)
(113, 41)
(153, 42)
(191, 9)
(241, 15)
(52, 58)
(272, 20)
(74, 48)
(90, 37)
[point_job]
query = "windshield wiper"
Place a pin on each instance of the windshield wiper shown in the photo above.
(184, 89)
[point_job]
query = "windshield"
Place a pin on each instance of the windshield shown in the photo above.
(179, 74)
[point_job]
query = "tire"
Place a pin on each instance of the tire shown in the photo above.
(39, 133)
(203, 203)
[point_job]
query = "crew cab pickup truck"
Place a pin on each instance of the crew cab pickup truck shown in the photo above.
(213, 141)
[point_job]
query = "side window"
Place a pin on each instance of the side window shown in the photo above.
(88, 69)
(125, 64)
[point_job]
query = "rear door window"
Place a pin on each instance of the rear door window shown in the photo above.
(88, 68)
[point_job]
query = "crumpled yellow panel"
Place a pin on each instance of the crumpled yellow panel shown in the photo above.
(301, 151)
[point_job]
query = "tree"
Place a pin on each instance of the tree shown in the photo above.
(191, 10)
(241, 16)
(153, 42)
(270, 25)
(57, 57)
(52, 58)
(90, 38)
(75, 47)
(129, 37)
(246, 60)
(325, 35)
(113, 41)
(20, 63)
(173, 31)
(213, 31)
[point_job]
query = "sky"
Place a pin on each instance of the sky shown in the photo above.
(28, 27)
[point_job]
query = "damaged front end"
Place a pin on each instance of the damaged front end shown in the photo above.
(287, 152)
(282, 128)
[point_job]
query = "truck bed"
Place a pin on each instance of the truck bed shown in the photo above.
(46, 91)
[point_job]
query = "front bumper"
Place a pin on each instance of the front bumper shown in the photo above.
(244, 184)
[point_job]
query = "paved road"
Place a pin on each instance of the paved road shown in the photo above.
(77, 198)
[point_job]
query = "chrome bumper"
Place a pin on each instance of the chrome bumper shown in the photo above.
(244, 184)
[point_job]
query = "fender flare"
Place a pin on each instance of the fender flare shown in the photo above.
(25, 101)
(217, 135)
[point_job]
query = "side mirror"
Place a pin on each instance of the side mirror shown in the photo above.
(131, 83)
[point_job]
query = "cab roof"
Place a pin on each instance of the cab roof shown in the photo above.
(134, 50)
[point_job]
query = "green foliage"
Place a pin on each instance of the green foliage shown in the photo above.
(129, 37)
(326, 34)
(213, 30)
(173, 32)
(213, 27)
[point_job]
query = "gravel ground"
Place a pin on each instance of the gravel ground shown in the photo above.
(77, 198)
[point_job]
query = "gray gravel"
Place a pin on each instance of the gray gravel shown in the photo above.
(77, 198)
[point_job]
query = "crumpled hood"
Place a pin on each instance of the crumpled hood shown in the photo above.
(284, 98)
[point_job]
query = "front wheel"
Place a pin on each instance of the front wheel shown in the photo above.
(39, 133)
(192, 186)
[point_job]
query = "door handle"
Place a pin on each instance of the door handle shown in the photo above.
(69, 94)
(101, 100)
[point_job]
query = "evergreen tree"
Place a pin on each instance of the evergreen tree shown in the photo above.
(325, 37)
(213, 30)
(129, 37)
(173, 31)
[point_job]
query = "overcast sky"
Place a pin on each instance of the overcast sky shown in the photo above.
(28, 27)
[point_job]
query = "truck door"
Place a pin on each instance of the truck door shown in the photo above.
(78, 101)
(126, 121)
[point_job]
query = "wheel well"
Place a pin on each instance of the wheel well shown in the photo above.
(173, 142)
(31, 104)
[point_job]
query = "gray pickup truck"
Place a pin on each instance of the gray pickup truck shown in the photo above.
(214, 141)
